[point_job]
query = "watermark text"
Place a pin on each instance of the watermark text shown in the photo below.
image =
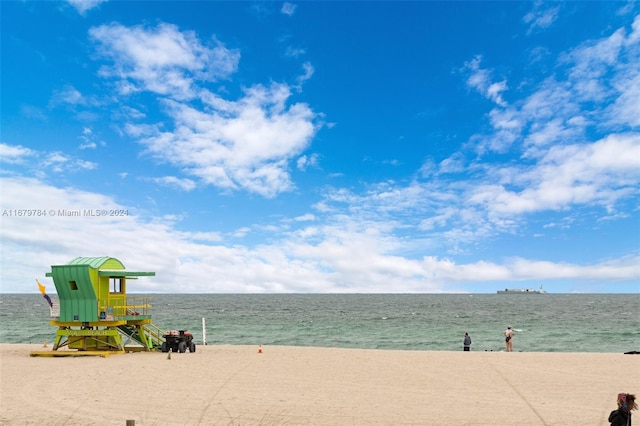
(65, 212)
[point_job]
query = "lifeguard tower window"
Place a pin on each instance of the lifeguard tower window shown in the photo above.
(73, 285)
(116, 285)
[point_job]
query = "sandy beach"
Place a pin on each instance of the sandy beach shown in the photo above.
(236, 385)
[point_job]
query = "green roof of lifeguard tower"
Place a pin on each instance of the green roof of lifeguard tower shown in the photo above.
(107, 266)
(97, 262)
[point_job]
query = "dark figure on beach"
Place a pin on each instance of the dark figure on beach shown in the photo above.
(622, 416)
(467, 342)
(508, 339)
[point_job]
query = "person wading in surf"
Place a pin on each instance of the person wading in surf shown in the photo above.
(466, 344)
(508, 339)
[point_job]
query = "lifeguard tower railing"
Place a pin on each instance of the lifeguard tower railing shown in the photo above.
(129, 308)
(132, 316)
(136, 312)
(114, 309)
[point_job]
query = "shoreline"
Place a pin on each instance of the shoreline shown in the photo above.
(229, 384)
(49, 343)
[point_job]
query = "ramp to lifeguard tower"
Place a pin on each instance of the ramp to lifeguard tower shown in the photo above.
(148, 335)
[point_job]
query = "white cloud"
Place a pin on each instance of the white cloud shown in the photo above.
(162, 60)
(305, 218)
(15, 154)
(82, 6)
(518, 269)
(349, 256)
(625, 110)
(306, 161)
(627, 8)
(541, 17)
(59, 162)
(68, 95)
(455, 163)
(41, 162)
(596, 88)
(88, 139)
(295, 52)
(599, 173)
(241, 232)
(88, 145)
(237, 144)
(308, 73)
(481, 79)
(487, 199)
(172, 181)
(508, 125)
(232, 144)
(438, 220)
(288, 8)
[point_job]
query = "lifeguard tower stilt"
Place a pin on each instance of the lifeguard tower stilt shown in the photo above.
(95, 312)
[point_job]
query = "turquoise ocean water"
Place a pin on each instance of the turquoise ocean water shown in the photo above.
(543, 323)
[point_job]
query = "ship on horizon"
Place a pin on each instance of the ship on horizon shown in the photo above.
(522, 291)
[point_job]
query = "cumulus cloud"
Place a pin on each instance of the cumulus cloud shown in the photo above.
(162, 60)
(598, 173)
(495, 197)
(234, 144)
(189, 258)
(244, 144)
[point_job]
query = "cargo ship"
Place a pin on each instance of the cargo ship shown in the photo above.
(521, 291)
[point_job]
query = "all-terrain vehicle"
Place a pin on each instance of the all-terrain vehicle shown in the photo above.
(178, 341)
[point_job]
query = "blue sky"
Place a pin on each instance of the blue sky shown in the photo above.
(378, 147)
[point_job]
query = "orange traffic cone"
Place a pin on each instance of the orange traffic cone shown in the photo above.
(260, 349)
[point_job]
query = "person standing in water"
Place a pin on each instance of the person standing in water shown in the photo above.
(508, 339)
(467, 342)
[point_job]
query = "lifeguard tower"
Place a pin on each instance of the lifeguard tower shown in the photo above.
(95, 313)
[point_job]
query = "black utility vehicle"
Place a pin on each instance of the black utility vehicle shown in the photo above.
(178, 341)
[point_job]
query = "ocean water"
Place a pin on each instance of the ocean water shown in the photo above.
(543, 323)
